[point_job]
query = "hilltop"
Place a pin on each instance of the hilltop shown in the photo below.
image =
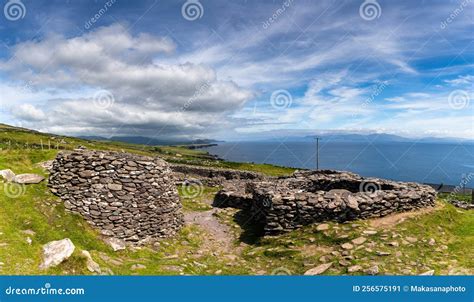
(217, 241)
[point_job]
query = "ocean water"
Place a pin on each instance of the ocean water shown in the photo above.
(404, 161)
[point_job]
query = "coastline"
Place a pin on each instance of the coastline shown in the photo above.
(422, 166)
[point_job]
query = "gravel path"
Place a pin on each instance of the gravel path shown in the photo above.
(219, 234)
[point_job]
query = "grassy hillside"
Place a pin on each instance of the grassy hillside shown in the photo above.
(440, 239)
(14, 138)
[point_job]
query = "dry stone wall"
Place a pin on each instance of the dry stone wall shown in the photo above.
(213, 176)
(126, 196)
(284, 204)
(235, 182)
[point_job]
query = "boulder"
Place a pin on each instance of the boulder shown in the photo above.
(318, 269)
(116, 244)
(7, 174)
(46, 165)
(56, 252)
(352, 202)
(91, 265)
(28, 178)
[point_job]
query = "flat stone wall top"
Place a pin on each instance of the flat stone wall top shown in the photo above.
(208, 172)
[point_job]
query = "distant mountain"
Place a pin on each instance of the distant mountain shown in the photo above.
(143, 140)
(331, 137)
(361, 137)
(93, 138)
(383, 137)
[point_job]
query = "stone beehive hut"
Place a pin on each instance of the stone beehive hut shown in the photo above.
(284, 204)
(126, 196)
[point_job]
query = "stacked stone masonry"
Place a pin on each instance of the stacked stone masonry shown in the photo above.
(284, 204)
(213, 176)
(234, 181)
(125, 196)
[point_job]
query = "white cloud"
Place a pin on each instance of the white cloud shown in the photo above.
(147, 95)
(29, 113)
(462, 80)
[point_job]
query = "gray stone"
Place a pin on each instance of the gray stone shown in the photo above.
(318, 270)
(28, 178)
(373, 270)
(7, 174)
(116, 244)
(95, 185)
(369, 232)
(319, 196)
(114, 187)
(137, 267)
(46, 165)
(322, 227)
(359, 240)
(56, 252)
(354, 268)
(91, 265)
(347, 246)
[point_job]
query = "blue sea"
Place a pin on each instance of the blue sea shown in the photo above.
(404, 161)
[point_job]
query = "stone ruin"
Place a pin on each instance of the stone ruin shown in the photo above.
(134, 197)
(126, 196)
(287, 203)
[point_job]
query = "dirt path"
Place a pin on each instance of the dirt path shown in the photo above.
(219, 234)
(394, 219)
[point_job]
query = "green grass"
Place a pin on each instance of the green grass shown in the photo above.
(198, 198)
(457, 196)
(12, 138)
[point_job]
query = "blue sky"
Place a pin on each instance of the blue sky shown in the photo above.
(238, 69)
